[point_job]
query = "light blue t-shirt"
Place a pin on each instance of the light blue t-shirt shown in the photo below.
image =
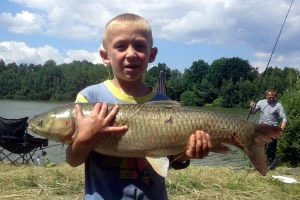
(113, 178)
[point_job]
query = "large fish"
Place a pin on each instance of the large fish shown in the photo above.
(158, 129)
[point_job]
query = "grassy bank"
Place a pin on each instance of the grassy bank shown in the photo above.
(64, 182)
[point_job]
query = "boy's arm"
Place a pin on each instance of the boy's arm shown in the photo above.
(89, 131)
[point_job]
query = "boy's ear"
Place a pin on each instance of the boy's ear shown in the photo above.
(104, 56)
(153, 54)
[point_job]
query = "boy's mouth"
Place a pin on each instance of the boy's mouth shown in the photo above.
(131, 66)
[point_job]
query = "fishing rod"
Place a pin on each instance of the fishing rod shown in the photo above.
(264, 73)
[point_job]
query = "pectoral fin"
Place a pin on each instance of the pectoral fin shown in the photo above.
(160, 165)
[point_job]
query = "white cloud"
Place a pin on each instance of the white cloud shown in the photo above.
(261, 66)
(19, 52)
(23, 23)
(83, 55)
(279, 60)
(194, 21)
(254, 24)
(262, 55)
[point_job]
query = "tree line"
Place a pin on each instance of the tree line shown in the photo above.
(226, 82)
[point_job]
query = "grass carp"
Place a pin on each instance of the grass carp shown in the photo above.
(158, 129)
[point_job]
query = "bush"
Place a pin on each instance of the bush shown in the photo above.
(219, 102)
(289, 145)
(188, 98)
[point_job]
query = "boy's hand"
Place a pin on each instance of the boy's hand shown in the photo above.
(199, 146)
(90, 128)
(89, 131)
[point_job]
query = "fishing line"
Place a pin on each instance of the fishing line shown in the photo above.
(264, 73)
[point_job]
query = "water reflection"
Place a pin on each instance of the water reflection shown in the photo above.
(234, 157)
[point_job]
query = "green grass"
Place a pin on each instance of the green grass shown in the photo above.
(195, 182)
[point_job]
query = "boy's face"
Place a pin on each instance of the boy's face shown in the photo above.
(128, 50)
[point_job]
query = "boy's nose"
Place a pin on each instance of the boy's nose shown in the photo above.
(130, 52)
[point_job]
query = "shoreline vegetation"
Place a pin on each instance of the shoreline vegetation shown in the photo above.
(196, 182)
(226, 82)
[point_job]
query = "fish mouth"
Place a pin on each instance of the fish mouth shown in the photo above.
(30, 126)
(30, 123)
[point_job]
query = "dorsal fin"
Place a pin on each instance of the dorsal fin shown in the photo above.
(164, 103)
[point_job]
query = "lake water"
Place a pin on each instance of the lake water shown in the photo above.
(56, 153)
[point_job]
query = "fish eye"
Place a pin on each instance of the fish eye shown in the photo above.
(40, 122)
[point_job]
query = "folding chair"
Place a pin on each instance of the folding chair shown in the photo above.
(16, 144)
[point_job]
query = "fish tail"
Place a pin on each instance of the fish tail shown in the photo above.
(256, 151)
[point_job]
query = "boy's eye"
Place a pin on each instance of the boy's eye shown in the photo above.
(120, 47)
(140, 46)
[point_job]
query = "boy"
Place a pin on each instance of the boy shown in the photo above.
(127, 47)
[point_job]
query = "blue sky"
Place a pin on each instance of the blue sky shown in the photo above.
(33, 31)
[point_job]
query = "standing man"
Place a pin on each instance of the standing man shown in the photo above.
(270, 113)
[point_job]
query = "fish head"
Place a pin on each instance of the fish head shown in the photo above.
(57, 126)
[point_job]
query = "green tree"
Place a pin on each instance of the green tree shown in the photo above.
(151, 76)
(228, 80)
(188, 98)
(230, 68)
(208, 91)
(246, 91)
(228, 93)
(289, 145)
(149, 80)
(195, 74)
(175, 85)
(2, 65)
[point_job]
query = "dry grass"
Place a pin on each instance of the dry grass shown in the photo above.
(64, 182)
(224, 183)
(33, 182)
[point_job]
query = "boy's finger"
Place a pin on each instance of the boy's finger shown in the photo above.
(103, 110)
(112, 114)
(115, 129)
(199, 144)
(79, 114)
(190, 152)
(204, 145)
(191, 146)
(209, 144)
(96, 109)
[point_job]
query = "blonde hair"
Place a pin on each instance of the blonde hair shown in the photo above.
(128, 18)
